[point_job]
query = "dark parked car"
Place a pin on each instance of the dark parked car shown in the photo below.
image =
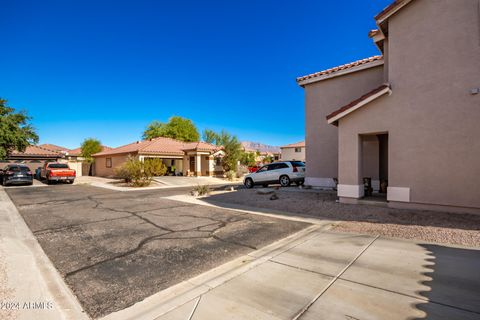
(16, 174)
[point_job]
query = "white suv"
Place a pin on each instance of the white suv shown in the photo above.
(284, 173)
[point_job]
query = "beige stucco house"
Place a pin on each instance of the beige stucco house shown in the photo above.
(408, 118)
(77, 162)
(185, 158)
(293, 151)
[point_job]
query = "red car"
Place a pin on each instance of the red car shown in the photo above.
(57, 171)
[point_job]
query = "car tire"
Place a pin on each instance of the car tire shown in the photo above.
(300, 183)
(248, 183)
(284, 181)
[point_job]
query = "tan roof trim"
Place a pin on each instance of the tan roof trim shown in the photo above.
(348, 68)
(333, 117)
(391, 10)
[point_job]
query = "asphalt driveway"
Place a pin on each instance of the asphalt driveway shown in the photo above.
(116, 248)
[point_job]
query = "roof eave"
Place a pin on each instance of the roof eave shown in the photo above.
(334, 120)
(390, 11)
(368, 65)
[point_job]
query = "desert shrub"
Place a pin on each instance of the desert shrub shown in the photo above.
(201, 190)
(230, 175)
(122, 173)
(138, 173)
(154, 167)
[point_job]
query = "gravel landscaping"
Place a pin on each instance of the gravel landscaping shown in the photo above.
(431, 226)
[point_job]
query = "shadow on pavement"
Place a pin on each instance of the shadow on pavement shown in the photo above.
(454, 285)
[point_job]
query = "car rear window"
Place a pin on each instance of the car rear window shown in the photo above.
(18, 169)
(58, 165)
(298, 164)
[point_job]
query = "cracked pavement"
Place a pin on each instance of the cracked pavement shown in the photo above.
(117, 248)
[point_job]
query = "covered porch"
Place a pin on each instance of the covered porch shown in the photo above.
(174, 163)
(202, 163)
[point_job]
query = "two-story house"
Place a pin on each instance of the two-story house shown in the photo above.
(408, 119)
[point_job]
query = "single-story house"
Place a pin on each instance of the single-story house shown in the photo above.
(181, 158)
(33, 157)
(407, 119)
(293, 151)
(77, 162)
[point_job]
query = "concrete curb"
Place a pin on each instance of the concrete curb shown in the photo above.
(129, 189)
(167, 300)
(30, 272)
(253, 210)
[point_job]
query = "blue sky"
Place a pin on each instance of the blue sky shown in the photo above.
(106, 69)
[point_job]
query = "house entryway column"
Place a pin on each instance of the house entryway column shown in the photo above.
(198, 165)
(210, 166)
(350, 186)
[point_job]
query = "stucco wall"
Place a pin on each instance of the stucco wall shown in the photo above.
(321, 98)
(101, 169)
(290, 154)
(431, 118)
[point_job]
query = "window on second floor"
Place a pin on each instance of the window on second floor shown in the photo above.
(298, 149)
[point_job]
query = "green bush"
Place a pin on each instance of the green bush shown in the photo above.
(248, 158)
(154, 167)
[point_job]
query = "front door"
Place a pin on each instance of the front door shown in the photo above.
(192, 164)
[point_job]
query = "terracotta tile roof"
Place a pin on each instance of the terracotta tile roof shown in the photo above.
(160, 146)
(163, 146)
(357, 101)
(53, 147)
(36, 151)
(340, 68)
(78, 151)
(294, 145)
(201, 146)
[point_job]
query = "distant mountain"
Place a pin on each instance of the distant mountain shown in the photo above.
(260, 147)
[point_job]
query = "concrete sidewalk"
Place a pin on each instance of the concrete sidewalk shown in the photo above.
(327, 275)
(30, 287)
